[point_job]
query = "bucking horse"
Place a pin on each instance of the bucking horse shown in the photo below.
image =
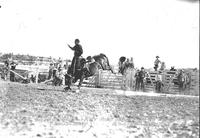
(85, 69)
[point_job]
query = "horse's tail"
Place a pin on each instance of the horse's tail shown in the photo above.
(108, 63)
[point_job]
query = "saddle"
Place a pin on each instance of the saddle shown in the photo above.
(78, 65)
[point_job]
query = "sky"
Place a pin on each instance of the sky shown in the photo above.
(138, 29)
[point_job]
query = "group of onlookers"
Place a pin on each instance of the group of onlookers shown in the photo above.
(8, 70)
(156, 64)
(57, 73)
(141, 74)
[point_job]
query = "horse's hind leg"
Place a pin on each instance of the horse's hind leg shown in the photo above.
(68, 82)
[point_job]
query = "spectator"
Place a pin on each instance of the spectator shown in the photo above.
(172, 68)
(163, 66)
(50, 71)
(141, 78)
(159, 83)
(156, 63)
(131, 63)
(6, 69)
(12, 74)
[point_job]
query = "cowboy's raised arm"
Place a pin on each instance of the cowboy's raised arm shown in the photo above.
(70, 47)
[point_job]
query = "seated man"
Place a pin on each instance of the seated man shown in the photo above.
(163, 66)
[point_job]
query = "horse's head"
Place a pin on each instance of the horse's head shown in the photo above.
(82, 63)
(122, 59)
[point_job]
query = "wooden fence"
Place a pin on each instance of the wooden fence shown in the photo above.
(106, 79)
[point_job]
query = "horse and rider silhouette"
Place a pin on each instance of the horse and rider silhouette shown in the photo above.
(84, 69)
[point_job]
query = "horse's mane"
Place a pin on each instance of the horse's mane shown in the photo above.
(100, 55)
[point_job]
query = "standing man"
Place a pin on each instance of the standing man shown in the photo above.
(137, 77)
(78, 51)
(50, 71)
(6, 69)
(12, 67)
(156, 63)
(141, 78)
(131, 63)
(159, 83)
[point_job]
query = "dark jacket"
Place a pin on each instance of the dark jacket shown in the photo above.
(142, 74)
(78, 51)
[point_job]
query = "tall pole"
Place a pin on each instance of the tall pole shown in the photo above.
(37, 68)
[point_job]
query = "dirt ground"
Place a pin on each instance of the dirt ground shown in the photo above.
(34, 111)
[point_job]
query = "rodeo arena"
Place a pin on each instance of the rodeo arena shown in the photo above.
(122, 77)
(48, 97)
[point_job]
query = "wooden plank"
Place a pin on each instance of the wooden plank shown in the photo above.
(111, 83)
(18, 74)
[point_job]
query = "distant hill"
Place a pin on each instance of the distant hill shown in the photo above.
(19, 57)
(26, 59)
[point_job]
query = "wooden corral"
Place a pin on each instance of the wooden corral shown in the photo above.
(170, 81)
(106, 79)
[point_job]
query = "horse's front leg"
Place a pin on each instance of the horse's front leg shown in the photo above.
(81, 81)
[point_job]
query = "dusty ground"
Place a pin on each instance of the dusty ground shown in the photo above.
(29, 110)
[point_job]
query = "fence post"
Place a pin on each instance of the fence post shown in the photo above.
(98, 79)
(37, 68)
(8, 74)
(170, 81)
(151, 81)
(36, 79)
